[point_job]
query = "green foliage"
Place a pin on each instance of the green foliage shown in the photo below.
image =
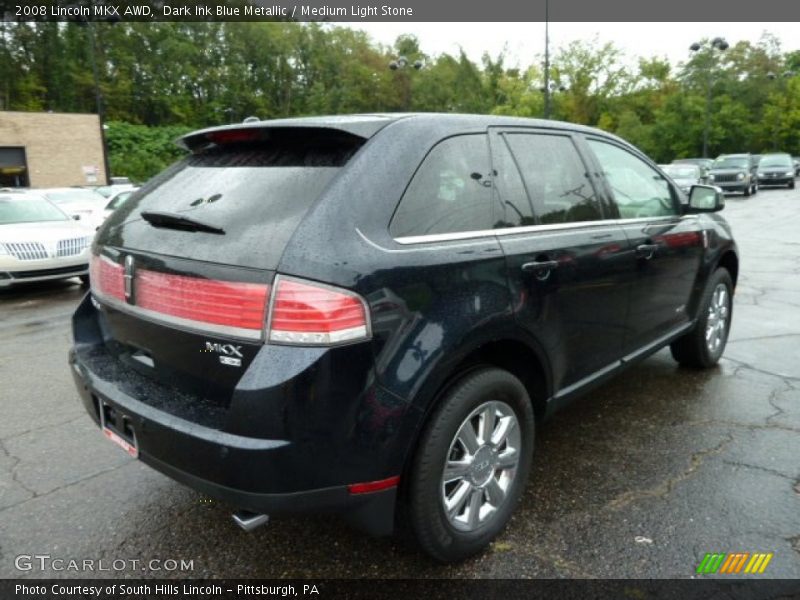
(139, 151)
(159, 80)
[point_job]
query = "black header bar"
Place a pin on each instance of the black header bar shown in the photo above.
(401, 10)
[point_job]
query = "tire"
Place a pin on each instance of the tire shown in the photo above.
(454, 537)
(755, 188)
(692, 349)
(747, 190)
(791, 185)
(84, 280)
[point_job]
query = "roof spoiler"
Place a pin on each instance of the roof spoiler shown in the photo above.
(346, 130)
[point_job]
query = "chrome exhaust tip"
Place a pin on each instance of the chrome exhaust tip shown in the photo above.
(249, 520)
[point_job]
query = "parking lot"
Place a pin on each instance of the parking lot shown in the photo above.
(639, 479)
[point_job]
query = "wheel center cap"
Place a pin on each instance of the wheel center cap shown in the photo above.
(482, 466)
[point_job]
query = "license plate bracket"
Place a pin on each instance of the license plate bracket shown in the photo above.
(111, 419)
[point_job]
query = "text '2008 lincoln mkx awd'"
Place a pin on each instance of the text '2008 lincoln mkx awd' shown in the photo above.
(368, 314)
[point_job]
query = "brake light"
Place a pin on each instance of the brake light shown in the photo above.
(106, 278)
(234, 136)
(300, 313)
(308, 313)
(231, 304)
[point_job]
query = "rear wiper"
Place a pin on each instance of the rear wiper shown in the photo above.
(176, 221)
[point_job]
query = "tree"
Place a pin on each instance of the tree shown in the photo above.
(178, 76)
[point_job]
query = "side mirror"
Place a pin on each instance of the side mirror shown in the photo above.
(76, 217)
(706, 198)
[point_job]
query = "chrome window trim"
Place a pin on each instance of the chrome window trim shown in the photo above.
(504, 231)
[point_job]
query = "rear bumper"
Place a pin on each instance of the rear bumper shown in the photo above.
(289, 441)
(229, 468)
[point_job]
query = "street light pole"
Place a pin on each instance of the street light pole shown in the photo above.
(773, 77)
(98, 99)
(546, 59)
(399, 64)
(707, 123)
(720, 44)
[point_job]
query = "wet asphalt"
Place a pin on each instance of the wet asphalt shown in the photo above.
(638, 479)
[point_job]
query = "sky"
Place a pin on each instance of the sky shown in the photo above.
(522, 42)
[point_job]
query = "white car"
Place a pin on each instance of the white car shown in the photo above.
(108, 191)
(38, 241)
(83, 203)
(117, 200)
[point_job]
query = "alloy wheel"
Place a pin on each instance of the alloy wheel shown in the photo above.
(481, 466)
(717, 321)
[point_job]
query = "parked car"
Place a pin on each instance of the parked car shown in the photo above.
(116, 201)
(368, 314)
(38, 241)
(735, 173)
(107, 191)
(776, 169)
(685, 175)
(82, 203)
(703, 163)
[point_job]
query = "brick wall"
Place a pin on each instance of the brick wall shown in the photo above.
(58, 145)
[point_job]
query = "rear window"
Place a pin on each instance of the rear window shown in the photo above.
(257, 194)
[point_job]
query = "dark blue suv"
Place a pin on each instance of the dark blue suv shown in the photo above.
(368, 314)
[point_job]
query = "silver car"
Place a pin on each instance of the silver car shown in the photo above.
(38, 241)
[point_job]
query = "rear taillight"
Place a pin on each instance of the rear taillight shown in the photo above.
(301, 312)
(106, 278)
(227, 303)
(309, 313)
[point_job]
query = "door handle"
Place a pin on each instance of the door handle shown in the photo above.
(646, 251)
(540, 267)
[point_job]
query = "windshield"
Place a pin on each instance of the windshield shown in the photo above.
(730, 162)
(28, 209)
(76, 196)
(779, 160)
(118, 200)
(682, 172)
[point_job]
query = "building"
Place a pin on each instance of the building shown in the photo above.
(50, 149)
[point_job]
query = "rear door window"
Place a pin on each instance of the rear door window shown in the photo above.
(515, 204)
(450, 192)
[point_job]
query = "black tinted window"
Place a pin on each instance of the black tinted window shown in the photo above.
(516, 207)
(451, 191)
(555, 178)
(256, 194)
